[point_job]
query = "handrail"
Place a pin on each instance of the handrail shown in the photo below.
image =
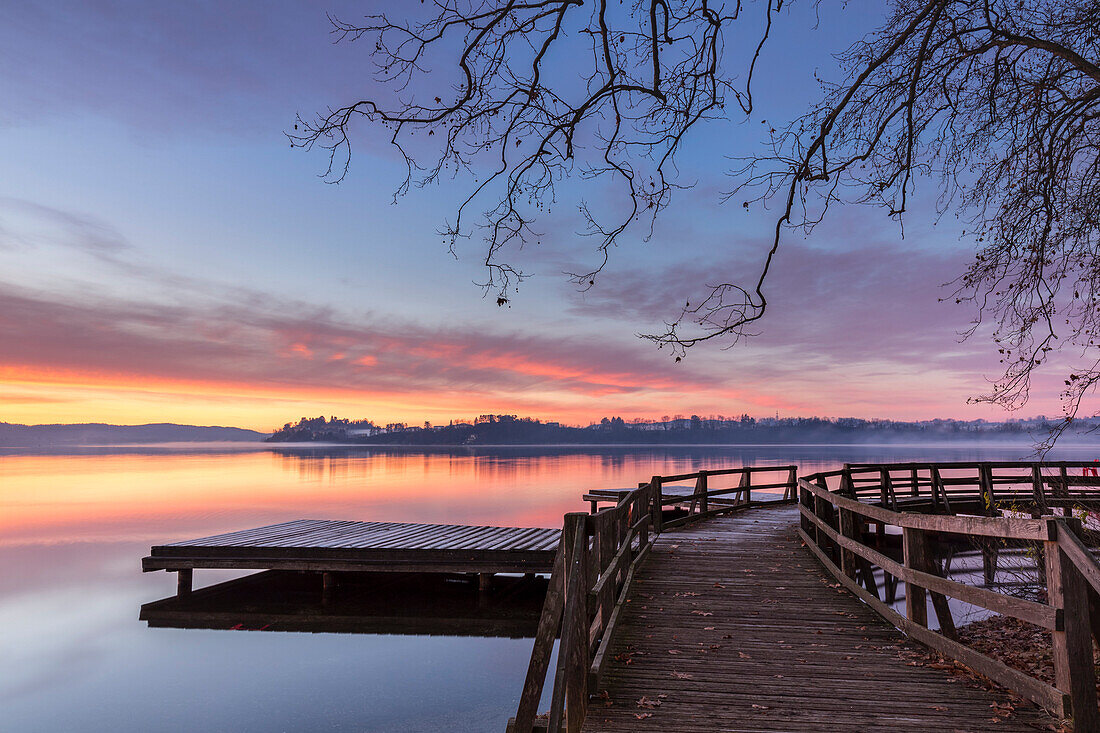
(598, 556)
(833, 526)
(976, 486)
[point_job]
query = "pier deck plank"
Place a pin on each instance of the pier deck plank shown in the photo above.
(328, 545)
(732, 625)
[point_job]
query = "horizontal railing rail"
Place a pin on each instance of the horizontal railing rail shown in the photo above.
(845, 525)
(597, 559)
(970, 487)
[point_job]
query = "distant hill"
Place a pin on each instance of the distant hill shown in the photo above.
(24, 436)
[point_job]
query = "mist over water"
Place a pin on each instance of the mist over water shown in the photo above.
(75, 525)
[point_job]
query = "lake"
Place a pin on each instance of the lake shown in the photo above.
(75, 525)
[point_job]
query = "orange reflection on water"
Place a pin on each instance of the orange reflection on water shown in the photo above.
(170, 494)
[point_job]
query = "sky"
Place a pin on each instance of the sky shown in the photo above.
(165, 256)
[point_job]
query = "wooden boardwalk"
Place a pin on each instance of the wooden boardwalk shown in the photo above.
(732, 625)
(346, 546)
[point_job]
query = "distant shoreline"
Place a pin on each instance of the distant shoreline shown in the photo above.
(502, 430)
(102, 434)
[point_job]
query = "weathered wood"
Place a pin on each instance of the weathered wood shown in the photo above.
(915, 547)
(730, 596)
(985, 484)
(1040, 506)
(1002, 527)
(745, 485)
(574, 635)
(1060, 489)
(889, 498)
(658, 518)
(1039, 614)
(1074, 671)
(1039, 692)
(342, 546)
(184, 582)
(833, 526)
(1076, 551)
(599, 659)
(549, 623)
(939, 489)
(848, 529)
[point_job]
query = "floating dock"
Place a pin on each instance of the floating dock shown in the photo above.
(330, 546)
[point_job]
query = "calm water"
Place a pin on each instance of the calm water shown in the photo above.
(74, 526)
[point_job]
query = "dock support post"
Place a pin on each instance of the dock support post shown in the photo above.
(328, 587)
(184, 580)
(484, 582)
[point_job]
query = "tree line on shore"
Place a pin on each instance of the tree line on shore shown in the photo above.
(716, 429)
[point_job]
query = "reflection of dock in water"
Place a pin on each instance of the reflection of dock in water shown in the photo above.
(356, 603)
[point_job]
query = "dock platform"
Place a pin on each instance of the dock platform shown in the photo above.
(330, 546)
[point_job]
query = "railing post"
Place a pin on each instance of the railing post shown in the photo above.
(848, 529)
(847, 485)
(806, 499)
(915, 551)
(1062, 492)
(823, 509)
(604, 543)
(701, 490)
(549, 623)
(985, 487)
(1075, 675)
(658, 515)
(574, 634)
(938, 488)
(1038, 494)
(791, 492)
(819, 535)
(746, 483)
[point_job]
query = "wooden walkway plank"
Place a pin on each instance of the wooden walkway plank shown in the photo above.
(732, 625)
(321, 545)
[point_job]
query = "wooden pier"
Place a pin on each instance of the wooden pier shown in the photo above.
(327, 546)
(731, 625)
(750, 616)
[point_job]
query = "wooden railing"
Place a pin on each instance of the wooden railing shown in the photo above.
(846, 516)
(596, 562)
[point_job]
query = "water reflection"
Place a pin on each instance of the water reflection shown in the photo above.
(74, 526)
(359, 603)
